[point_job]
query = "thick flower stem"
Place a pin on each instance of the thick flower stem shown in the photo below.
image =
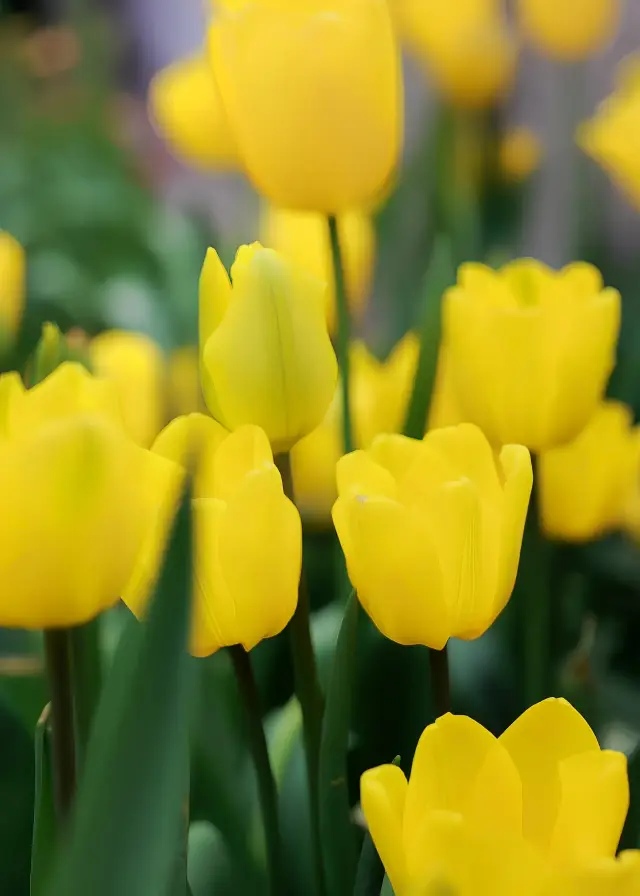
(264, 774)
(440, 686)
(307, 690)
(86, 675)
(58, 662)
(344, 329)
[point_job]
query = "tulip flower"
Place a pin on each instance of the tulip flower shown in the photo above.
(183, 376)
(569, 30)
(585, 485)
(465, 46)
(519, 154)
(266, 355)
(431, 531)
(612, 136)
(303, 238)
(78, 499)
(313, 93)
(185, 105)
(248, 537)
(12, 283)
(444, 408)
(135, 365)
(380, 393)
(531, 349)
(504, 811)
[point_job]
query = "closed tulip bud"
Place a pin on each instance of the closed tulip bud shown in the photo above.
(266, 355)
(431, 531)
(519, 154)
(531, 349)
(248, 537)
(569, 30)
(186, 107)
(303, 238)
(585, 485)
(313, 91)
(12, 284)
(78, 499)
(542, 799)
(465, 46)
(135, 365)
(612, 136)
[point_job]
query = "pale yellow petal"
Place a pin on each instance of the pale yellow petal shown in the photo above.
(396, 453)
(358, 474)
(467, 450)
(383, 791)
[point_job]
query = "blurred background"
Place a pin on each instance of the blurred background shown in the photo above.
(115, 228)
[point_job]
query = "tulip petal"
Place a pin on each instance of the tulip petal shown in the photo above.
(241, 453)
(460, 767)
(515, 462)
(11, 391)
(193, 435)
(214, 295)
(395, 453)
(604, 877)
(358, 474)
(260, 556)
(466, 448)
(383, 791)
(538, 741)
(594, 801)
(394, 568)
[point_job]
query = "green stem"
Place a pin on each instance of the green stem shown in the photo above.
(344, 330)
(308, 690)
(266, 782)
(86, 673)
(440, 686)
(63, 747)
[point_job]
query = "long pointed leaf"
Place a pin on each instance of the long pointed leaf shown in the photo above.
(44, 815)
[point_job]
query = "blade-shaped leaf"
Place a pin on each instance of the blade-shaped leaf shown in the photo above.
(44, 814)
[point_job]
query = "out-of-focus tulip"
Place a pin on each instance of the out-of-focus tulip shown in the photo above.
(444, 409)
(12, 284)
(248, 537)
(501, 814)
(380, 393)
(78, 499)
(186, 107)
(183, 376)
(466, 46)
(135, 365)
(569, 30)
(585, 485)
(431, 531)
(303, 237)
(519, 154)
(612, 136)
(531, 349)
(266, 354)
(313, 92)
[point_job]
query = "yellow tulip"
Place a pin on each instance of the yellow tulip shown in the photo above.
(248, 538)
(498, 813)
(444, 409)
(135, 365)
(303, 238)
(313, 91)
(569, 30)
(380, 392)
(612, 136)
(185, 105)
(531, 349)
(466, 46)
(585, 485)
(519, 154)
(431, 531)
(78, 499)
(266, 354)
(12, 283)
(183, 375)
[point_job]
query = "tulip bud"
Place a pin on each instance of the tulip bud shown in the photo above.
(135, 365)
(78, 499)
(12, 283)
(186, 107)
(584, 485)
(303, 238)
(265, 350)
(531, 349)
(248, 537)
(569, 30)
(431, 531)
(313, 92)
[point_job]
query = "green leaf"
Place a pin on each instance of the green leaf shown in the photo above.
(44, 815)
(440, 275)
(336, 831)
(129, 813)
